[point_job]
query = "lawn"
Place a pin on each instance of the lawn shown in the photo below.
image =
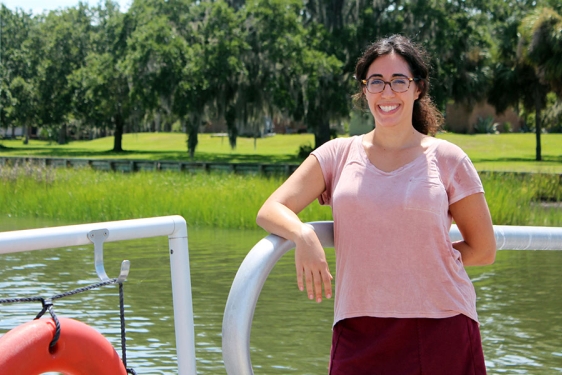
(510, 152)
(502, 152)
(169, 146)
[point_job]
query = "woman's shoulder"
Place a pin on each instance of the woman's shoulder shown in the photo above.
(344, 141)
(337, 152)
(338, 144)
(445, 149)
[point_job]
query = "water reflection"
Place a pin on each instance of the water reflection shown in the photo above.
(519, 301)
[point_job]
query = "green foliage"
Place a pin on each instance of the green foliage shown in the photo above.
(304, 151)
(64, 38)
(507, 127)
(541, 33)
(160, 63)
(215, 200)
(222, 200)
(524, 199)
(553, 115)
(18, 67)
(485, 126)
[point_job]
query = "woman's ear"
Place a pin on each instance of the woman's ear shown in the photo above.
(419, 89)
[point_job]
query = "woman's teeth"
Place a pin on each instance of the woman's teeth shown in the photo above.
(388, 108)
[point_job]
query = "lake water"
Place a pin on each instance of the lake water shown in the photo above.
(519, 303)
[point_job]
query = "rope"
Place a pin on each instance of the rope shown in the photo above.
(123, 337)
(47, 305)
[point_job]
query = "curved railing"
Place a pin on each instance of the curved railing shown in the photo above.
(259, 262)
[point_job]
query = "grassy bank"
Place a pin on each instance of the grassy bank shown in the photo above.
(221, 200)
(503, 152)
(217, 200)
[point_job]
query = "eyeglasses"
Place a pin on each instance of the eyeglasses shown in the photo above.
(375, 85)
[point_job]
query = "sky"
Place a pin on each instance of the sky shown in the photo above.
(38, 6)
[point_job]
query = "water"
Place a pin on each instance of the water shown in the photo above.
(519, 302)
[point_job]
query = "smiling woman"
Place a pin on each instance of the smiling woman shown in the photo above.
(390, 106)
(403, 298)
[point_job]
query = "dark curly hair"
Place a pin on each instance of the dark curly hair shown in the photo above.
(426, 118)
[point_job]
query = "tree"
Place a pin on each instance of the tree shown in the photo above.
(224, 45)
(292, 75)
(102, 86)
(18, 64)
(541, 34)
(322, 99)
(541, 47)
(23, 109)
(270, 44)
(64, 37)
(523, 51)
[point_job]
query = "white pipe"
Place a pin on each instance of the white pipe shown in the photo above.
(254, 270)
(74, 235)
(182, 299)
(174, 227)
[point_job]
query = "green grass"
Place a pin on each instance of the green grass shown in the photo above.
(83, 195)
(510, 152)
(170, 146)
(503, 152)
(221, 200)
(530, 199)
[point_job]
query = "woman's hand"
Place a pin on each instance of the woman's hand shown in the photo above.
(279, 215)
(311, 264)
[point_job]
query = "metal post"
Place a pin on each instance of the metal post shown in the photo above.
(174, 227)
(182, 299)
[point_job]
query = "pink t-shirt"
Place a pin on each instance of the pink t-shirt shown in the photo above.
(394, 257)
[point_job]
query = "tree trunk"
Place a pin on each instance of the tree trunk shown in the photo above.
(230, 118)
(538, 129)
(119, 123)
(26, 132)
(62, 135)
(192, 131)
(157, 120)
(322, 132)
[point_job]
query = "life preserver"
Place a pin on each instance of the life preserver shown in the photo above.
(80, 350)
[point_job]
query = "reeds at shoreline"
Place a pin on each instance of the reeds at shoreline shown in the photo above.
(223, 200)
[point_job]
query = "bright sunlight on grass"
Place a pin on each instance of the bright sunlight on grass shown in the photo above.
(502, 152)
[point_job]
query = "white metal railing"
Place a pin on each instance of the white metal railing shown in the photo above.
(174, 227)
(259, 262)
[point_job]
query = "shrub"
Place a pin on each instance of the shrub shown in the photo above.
(486, 126)
(304, 151)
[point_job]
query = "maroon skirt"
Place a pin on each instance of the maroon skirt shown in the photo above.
(413, 346)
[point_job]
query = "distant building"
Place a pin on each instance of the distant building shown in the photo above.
(360, 122)
(462, 119)
(16, 132)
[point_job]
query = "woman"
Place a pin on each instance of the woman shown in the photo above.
(404, 303)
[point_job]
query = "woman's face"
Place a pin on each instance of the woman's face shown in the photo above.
(390, 108)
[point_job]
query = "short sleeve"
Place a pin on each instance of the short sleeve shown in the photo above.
(464, 182)
(325, 155)
(331, 156)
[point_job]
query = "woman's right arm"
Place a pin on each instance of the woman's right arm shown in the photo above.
(278, 215)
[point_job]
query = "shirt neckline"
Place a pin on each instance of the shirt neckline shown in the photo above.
(363, 153)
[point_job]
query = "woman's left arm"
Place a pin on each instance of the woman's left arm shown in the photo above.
(472, 216)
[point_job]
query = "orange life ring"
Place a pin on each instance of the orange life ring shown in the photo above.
(80, 350)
